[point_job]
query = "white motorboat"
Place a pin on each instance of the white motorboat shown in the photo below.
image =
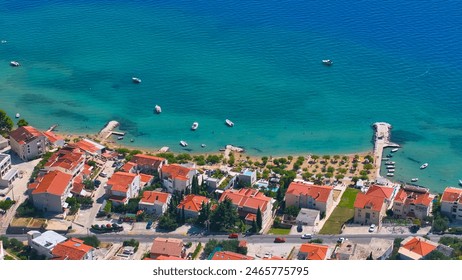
(394, 150)
(203, 145)
(423, 166)
(327, 62)
(390, 166)
(390, 174)
(389, 162)
(120, 138)
(136, 80)
(414, 179)
(17, 115)
(229, 123)
(157, 109)
(391, 170)
(183, 143)
(460, 182)
(14, 63)
(194, 126)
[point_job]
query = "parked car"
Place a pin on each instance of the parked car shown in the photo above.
(97, 183)
(149, 225)
(372, 228)
(306, 236)
(340, 240)
(233, 235)
(279, 240)
(102, 174)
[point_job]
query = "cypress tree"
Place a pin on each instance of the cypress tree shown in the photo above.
(259, 219)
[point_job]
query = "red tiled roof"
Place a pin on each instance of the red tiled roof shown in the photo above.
(380, 191)
(250, 217)
(120, 199)
(120, 181)
(77, 188)
(167, 247)
(87, 146)
(318, 193)
(54, 182)
(168, 258)
(72, 249)
(368, 201)
(249, 198)
(25, 134)
(52, 137)
(314, 251)
(419, 246)
(153, 196)
(227, 255)
(147, 161)
(176, 171)
(452, 195)
(66, 159)
(144, 178)
(127, 167)
(410, 197)
(193, 202)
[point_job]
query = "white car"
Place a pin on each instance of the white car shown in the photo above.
(372, 228)
(306, 236)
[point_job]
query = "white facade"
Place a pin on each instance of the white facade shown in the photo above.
(7, 173)
(33, 149)
(43, 243)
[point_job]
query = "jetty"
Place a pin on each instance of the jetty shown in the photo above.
(53, 127)
(108, 130)
(382, 138)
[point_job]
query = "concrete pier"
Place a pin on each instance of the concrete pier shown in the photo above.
(107, 130)
(382, 137)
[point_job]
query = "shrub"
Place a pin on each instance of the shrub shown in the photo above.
(196, 251)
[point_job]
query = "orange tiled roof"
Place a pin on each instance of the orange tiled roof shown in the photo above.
(176, 171)
(120, 199)
(87, 146)
(318, 193)
(452, 195)
(314, 251)
(25, 134)
(193, 202)
(250, 217)
(52, 137)
(144, 178)
(249, 198)
(153, 196)
(419, 246)
(227, 255)
(380, 191)
(72, 249)
(410, 197)
(368, 201)
(66, 159)
(127, 167)
(147, 161)
(167, 246)
(168, 258)
(120, 181)
(54, 182)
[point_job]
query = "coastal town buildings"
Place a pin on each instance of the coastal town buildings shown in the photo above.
(122, 186)
(44, 243)
(28, 142)
(247, 177)
(3, 142)
(167, 247)
(49, 191)
(177, 178)
(416, 248)
(90, 147)
(370, 207)
(67, 160)
(451, 203)
(148, 164)
(54, 140)
(247, 201)
(7, 173)
(73, 249)
(379, 249)
(155, 202)
(307, 195)
(192, 204)
(412, 202)
(227, 255)
(313, 251)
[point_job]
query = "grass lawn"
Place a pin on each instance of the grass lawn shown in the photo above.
(279, 231)
(343, 212)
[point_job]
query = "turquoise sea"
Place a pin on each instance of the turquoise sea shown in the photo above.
(257, 63)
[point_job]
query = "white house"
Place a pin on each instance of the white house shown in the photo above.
(7, 173)
(122, 186)
(43, 243)
(28, 142)
(155, 202)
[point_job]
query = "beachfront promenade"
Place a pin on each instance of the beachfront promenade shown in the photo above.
(382, 137)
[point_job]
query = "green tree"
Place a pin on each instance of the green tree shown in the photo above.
(6, 124)
(259, 219)
(292, 211)
(22, 122)
(195, 185)
(440, 224)
(167, 222)
(254, 227)
(224, 217)
(91, 240)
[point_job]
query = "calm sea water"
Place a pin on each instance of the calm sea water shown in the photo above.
(257, 63)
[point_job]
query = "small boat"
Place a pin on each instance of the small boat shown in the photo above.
(327, 62)
(390, 155)
(390, 174)
(229, 123)
(194, 126)
(136, 80)
(414, 179)
(183, 143)
(385, 159)
(17, 115)
(391, 170)
(14, 63)
(203, 145)
(132, 140)
(4, 41)
(390, 166)
(460, 182)
(423, 166)
(222, 149)
(157, 109)
(394, 150)
(120, 138)
(390, 162)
